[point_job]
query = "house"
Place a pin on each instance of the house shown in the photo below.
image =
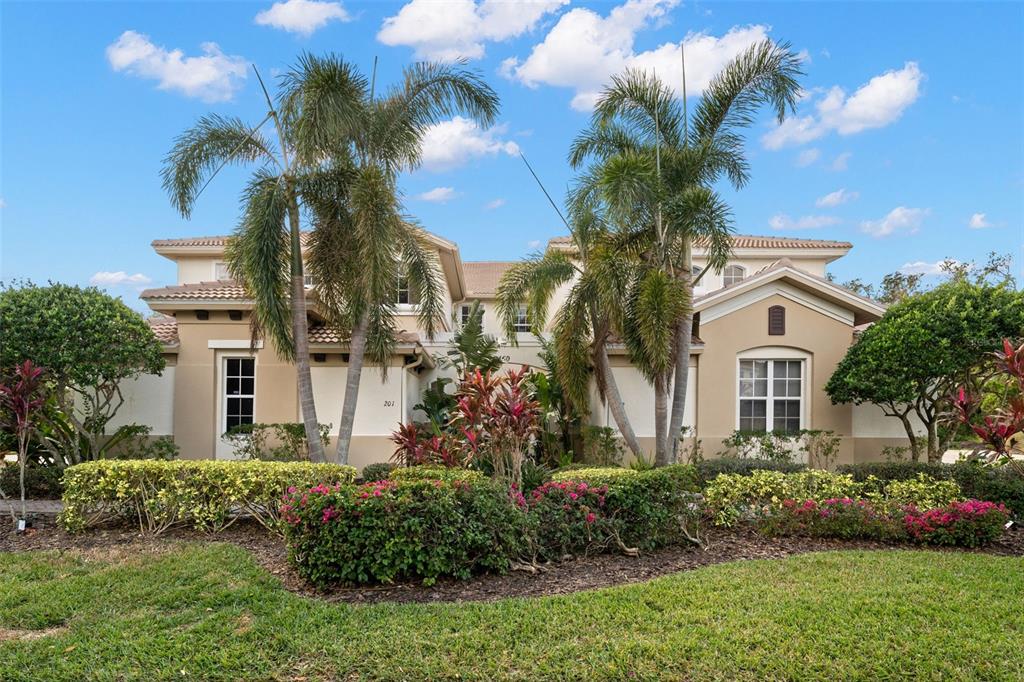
(770, 328)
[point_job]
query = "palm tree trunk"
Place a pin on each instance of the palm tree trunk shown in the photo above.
(660, 421)
(300, 335)
(684, 337)
(618, 410)
(356, 351)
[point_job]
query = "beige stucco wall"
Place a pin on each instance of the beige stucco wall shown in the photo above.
(822, 338)
(148, 400)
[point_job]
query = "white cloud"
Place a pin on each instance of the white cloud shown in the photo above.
(876, 104)
(302, 16)
(900, 219)
(212, 77)
(841, 162)
(978, 221)
(460, 28)
(438, 195)
(120, 278)
(584, 49)
(807, 157)
(450, 144)
(920, 267)
(781, 221)
(533, 243)
(497, 203)
(833, 199)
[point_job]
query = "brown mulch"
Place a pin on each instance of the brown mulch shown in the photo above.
(565, 577)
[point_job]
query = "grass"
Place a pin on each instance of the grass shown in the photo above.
(209, 612)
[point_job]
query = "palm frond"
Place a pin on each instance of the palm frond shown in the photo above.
(422, 268)
(698, 214)
(642, 103)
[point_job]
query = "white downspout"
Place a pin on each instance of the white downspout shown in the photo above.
(412, 365)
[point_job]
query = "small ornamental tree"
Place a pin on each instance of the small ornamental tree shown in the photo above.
(89, 343)
(1001, 429)
(22, 398)
(910, 361)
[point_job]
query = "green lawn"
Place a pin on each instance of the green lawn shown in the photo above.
(209, 612)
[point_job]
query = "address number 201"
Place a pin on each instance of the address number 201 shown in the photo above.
(389, 403)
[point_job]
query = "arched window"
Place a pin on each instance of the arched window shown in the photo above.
(733, 274)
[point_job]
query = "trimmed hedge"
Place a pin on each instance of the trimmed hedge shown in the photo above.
(378, 471)
(1001, 485)
(709, 469)
(432, 473)
(203, 494)
(385, 531)
(41, 483)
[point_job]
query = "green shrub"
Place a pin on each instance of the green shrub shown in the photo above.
(733, 496)
(570, 518)
(378, 471)
(841, 518)
(893, 471)
(708, 469)
(924, 492)
(202, 494)
(971, 523)
(393, 530)
(430, 473)
(650, 508)
(284, 442)
(41, 482)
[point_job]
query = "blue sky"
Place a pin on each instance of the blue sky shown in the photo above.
(910, 142)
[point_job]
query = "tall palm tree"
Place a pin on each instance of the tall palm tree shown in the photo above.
(654, 169)
(591, 313)
(363, 246)
(265, 254)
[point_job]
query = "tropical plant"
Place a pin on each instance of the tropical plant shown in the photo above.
(363, 247)
(21, 399)
(562, 434)
(90, 344)
(472, 349)
(265, 252)
(913, 359)
(652, 171)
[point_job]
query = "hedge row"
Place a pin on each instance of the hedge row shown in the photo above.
(202, 494)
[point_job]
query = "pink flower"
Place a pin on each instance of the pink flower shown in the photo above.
(591, 517)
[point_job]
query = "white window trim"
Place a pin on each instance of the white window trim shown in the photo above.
(522, 311)
(777, 353)
(227, 275)
(232, 344)
(741, 268)
(224, 357)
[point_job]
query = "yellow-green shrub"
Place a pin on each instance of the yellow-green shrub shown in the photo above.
(203, 494)
(430, 473)
(923, 492)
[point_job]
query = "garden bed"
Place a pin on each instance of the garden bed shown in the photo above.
(566, 577)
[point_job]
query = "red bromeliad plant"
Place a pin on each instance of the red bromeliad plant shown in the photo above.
(1000, 431)
(22, 397)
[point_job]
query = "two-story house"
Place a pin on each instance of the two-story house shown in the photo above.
(770, 330)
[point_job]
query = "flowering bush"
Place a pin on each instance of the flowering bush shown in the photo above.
(835, 518)
(384, 531)
(203, 494)
(569, 517)
(735, 496)
(965, 524)
(923, 491)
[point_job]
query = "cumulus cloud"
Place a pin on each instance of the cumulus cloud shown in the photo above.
(450, 144)
(920, 267)
(460, 28)
(978, 221)
(900, 219)
(120, 278)
(876, 104)
(807, 157)
(584, 49)
(533, 243)
(212, 77)
(496, 203)
(781, 221)
(833, 199)
(841, 162)
(302, 16)
(438, 195)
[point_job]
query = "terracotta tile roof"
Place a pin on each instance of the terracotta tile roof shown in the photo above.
(321, 334)
(191, 241)
(746, 241)
(200, 291)
(482, 277)
(165, 328)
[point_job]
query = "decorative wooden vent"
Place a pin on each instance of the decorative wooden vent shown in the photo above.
(777, 320)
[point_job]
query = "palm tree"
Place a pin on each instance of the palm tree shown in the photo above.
(363, 246)
(653, 169)
(264, 254)
(591, 313)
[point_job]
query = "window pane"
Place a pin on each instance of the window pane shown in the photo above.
(761, 369)
(232, 367)
(248, 366)
(232, 386)
(786, 416)
(245, 406)
(746, 369)
(231, 423)
(248, 386)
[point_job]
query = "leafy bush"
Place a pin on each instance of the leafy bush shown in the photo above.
(842, 518)
(602, 447)
(285, 442)
(964, 524)
(429, 473)
(733, 496)
(569, 517)
(203, 494)
(535, 475)
(708, 469)
(40, 482)
(924, 492)
(999, 484)
(379, 471)
(393, 530)
(819, 447)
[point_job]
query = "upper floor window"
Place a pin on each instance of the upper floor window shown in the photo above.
(405, 295)
(220, 272)
(308, 281)
(522, 323)
(464, 311)
(771, 395)
(733, 274)
(695, 272)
